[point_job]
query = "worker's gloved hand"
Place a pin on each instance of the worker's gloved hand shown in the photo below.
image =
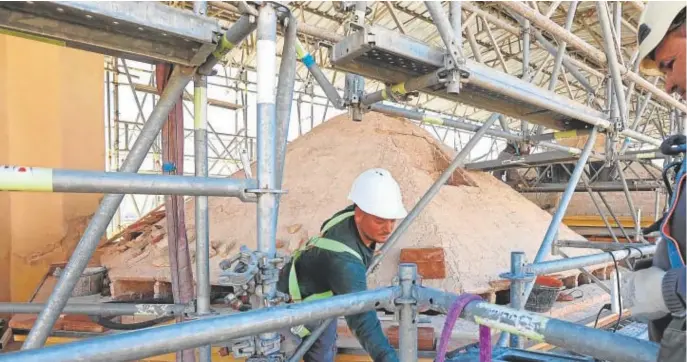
(289, 341)
(641, 292)
(674, 140)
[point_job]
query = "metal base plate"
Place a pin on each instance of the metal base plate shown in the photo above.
(143, 31)
(392, 58)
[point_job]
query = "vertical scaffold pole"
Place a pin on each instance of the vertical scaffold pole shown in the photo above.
(612, 58)
(558, 61)
(407, 329)
(455, 11)
(200, 157)
(266, 139)
(108, 206)
(524, 125)
(517, 290)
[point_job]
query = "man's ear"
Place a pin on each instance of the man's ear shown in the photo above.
(358, 215)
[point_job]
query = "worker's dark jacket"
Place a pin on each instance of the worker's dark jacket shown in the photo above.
(669, 331)
(321, 270)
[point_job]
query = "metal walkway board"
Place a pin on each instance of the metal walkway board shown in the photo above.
(393, 58)
(137, 30)
(537, 159)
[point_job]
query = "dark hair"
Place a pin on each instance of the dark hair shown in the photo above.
(510, 148)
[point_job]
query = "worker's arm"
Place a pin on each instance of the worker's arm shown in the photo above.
(347, 275)
(653, 293)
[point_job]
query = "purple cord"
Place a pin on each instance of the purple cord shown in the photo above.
(484, 344)
(451, 318)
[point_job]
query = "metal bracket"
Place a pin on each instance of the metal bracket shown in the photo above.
(271, 358)
(526, 276)
(413, 300)
(452, 75)
(266, 350)
(353, 26)
(243, 347)
(266, 191)
(269, 347)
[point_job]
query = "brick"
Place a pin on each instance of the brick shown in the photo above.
(162, 289)
(431, 262)
(122, 289)
(80, 323)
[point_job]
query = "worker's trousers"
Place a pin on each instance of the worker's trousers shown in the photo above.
(324, 349)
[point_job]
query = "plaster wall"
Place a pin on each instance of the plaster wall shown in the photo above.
(51, 115)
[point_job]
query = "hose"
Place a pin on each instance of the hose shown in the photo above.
(451, 317)
(108, 323)
(664, 174)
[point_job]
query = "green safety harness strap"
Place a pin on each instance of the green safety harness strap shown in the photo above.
(322, 243)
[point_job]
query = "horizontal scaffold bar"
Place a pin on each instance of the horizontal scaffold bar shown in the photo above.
(603, 186)
(556, 266)
(600, 344)
(441, 121)
(38, 179)
(100, 309)
(148, 342)
(594, 245)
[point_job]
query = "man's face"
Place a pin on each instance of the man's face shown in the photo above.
(373, 228)
(525, 149)
(670, 57)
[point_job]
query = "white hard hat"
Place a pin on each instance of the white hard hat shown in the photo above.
(377, 193)
(654, 24)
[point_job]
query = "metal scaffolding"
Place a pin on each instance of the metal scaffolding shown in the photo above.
(399, 67)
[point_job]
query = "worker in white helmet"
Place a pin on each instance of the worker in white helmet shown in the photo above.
(657, 293)
(336, 262)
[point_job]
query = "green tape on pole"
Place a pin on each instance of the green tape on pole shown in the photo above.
(22, 178)
(223, 48)
(433, 120)
(300, 51)
(526, 327)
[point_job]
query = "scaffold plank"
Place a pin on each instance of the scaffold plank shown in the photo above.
(137, 30)
(394, 58)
